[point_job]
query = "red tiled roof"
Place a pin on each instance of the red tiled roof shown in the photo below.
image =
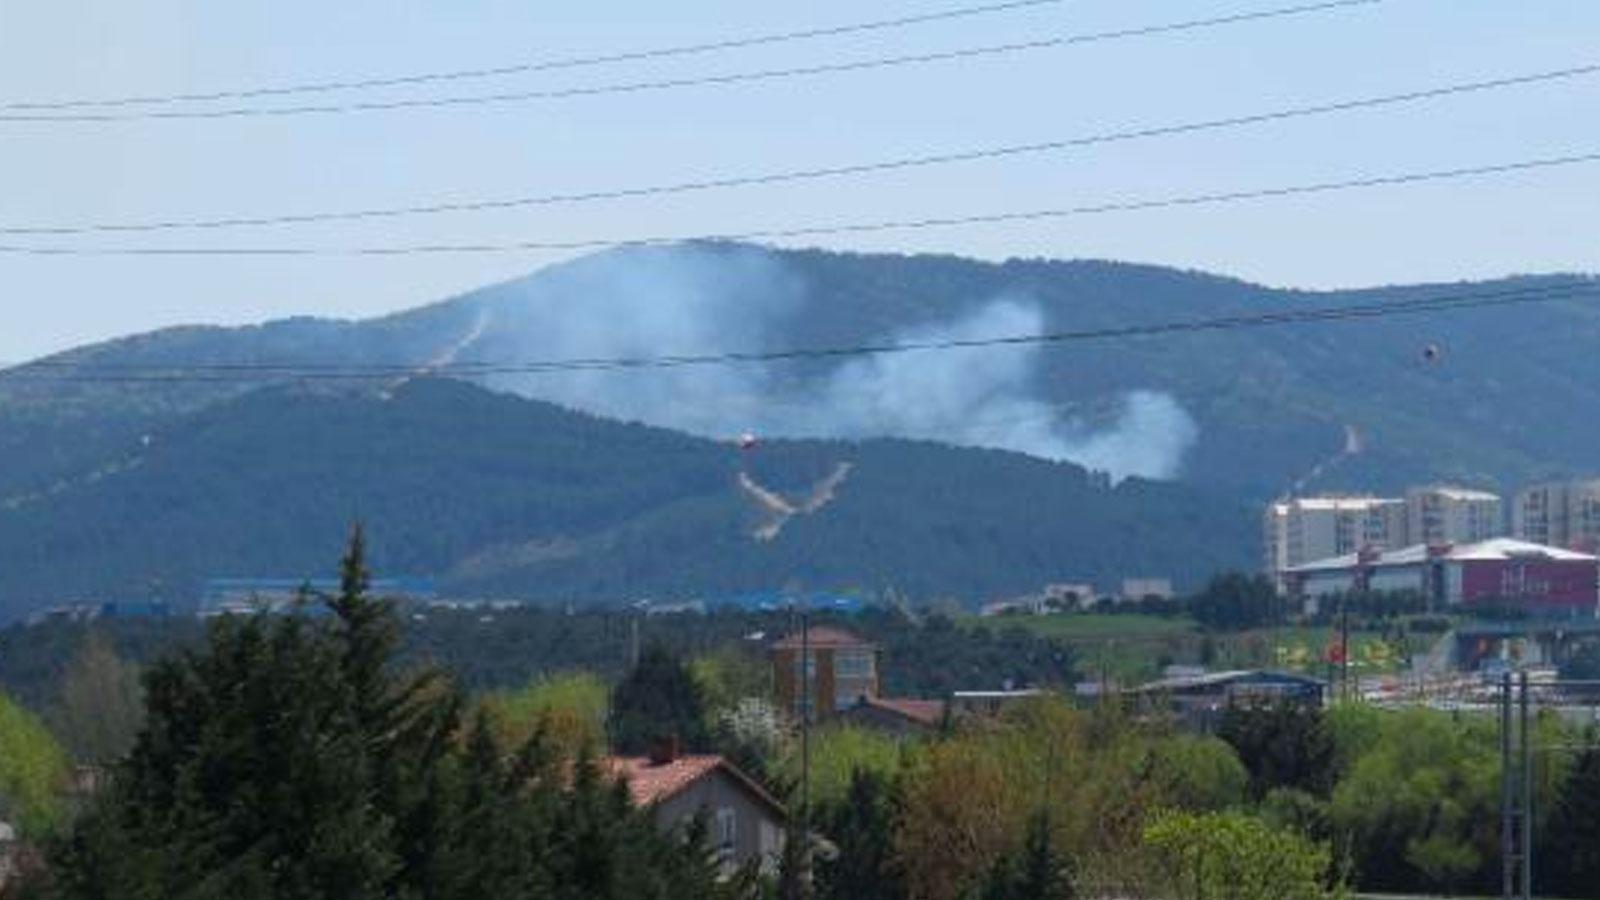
(821, 636)
(650, 783)
(928, 712)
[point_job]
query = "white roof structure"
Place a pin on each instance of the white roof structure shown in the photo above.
(1495, 549)
(1456, 493)
(1510, 548)
(1338, 504)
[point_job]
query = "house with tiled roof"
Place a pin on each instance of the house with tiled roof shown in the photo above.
(895, 716)
(745, 823)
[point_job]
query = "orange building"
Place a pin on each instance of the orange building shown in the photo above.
(842, 670)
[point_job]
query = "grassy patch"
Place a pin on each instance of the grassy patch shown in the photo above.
(1093, 626)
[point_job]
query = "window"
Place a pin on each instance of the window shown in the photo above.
(726, 833)
(853, 664)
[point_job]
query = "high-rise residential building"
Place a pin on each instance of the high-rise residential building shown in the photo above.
(1304, 529)
(1558, 514)
(1452, 515)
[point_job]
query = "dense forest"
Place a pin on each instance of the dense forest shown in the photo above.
(496, 496)
(484, 650)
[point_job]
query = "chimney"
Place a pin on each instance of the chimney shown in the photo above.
(664, 750)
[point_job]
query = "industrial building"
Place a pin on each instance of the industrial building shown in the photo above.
(1540, 580)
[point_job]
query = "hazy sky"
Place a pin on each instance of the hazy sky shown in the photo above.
(64, 174)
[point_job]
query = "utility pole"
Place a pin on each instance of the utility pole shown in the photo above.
(1508, 841)
(807, 672)
(1344, 646)
(1516, 792)
(633, 640)
(1527, 792)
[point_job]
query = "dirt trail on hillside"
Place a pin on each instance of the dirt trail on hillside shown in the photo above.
(446, 356)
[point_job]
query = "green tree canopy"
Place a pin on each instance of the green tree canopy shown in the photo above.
(1231, 856)
(659, 699)
(33, 771)
(286, 758)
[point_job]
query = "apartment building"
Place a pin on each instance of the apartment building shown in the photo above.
(1450, 515)
(1303, 529)
(1559, 514)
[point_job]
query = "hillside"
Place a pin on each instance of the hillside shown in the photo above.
(1247, 411)
(499, 496)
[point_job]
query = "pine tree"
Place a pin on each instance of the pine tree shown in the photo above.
(1036, 872)
(794, 865)
(862, 827)
(659, 699)
(286, 760)
(1571, 855)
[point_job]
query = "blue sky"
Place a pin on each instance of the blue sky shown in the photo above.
(67, 174)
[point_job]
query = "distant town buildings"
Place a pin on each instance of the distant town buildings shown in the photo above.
(1560, 514)
(1134, 589)
(1078, 596)
(1301, 530)
(245, 596)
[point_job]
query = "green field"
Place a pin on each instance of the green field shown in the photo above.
(1093, 626)
(1134, 648)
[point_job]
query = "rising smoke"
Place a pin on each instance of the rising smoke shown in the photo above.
(695, 300)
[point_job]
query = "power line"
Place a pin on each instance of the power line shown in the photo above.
(809, 174)
(478, 100)
(1189, 200)
(529, 67)
(237, 372)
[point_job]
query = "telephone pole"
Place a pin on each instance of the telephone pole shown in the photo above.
(1516, 791)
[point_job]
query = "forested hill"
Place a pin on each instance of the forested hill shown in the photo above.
(499, 496)
(1508, 396)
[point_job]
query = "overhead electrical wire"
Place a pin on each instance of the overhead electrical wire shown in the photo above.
(479, 100)
(1207, 199)
(61, 370)
(815, 173)
(573, 62)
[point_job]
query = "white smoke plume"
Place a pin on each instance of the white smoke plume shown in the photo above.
(700, 300)
(989, 397)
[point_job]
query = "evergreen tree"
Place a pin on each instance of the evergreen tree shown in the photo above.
(659, 699)
(1036, 872)
(1283, 745)
(1571, 852)
(286, 760)
(795, 864)
(862, 827)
